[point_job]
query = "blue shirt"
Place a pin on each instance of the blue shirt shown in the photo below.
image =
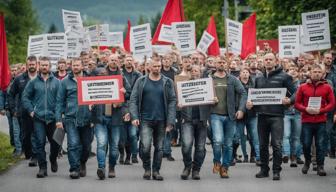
(153, 107)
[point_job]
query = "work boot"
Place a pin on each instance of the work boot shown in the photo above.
(285, 159)
(74, 175)
(186, 172)
(262, 174)
(42, 173)
(321, 171)
(195, 175)
(111, 173)
(216, 168)
(224, 172)
(53, 166)
(305, 168)
(82, 170)
(299, 161)
(101, 173)
(32, 162)
(293, 161)
(276, 176)
(245, 159)
(128, 160)
(170, 158)
(156, 176)
(147, 174)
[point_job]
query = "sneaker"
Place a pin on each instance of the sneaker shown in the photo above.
(53, 166)
(305, 168)
(135, 159)
(82, 170)
(74, 175)
(32, 162)
(195, 175)
(111, 173)
(276, 176)
(170, 158)
(299, 161)
(127, 160)
(156, 176)
(147, 174)
(224, 173)
(321, 171)
(262, 174)
(258, 163)
(285, 159)
(101, 173)
(216, 168)
(42, 173)
(186, 172)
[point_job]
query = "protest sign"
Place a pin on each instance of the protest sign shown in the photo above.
(99, 35)
(71, 18)
(100, 90)
(289, 41)
(315, 102)
(205, 42)
(316, 31)
(116, 39)
(266, 96)
(56, 47)
(195, 92)
(184, 37)
(234, 34)
(162, 49)
(140, 41)
(36, 45)
(166, 33)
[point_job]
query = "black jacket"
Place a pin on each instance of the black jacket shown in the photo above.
(276, 79)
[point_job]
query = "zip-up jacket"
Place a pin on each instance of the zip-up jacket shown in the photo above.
(319, 89)
(39, 96)
(15, 94)
(169, 99)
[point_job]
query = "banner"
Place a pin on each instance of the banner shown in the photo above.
(100, 90)
(234, 33)
(116, 39)
(71, 18)
(166, 34)
(140, 40)
(316, 31)
(195, 92)
(99, 35)
(266, 96)
(36, 45)
(289, 41)
(205, 42)
(184, 37)
(56, 47)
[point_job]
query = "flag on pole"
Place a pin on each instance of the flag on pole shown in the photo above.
(249, 43)
(211, 29)
(5, 75)
(127, 39)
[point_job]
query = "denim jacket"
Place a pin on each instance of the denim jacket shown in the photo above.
(169, 99)
(39, 97)
(67, 103)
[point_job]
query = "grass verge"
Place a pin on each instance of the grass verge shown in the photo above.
(6, 150)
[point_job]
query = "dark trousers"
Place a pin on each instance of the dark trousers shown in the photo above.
(28, 144)
(316, 130)
(270, 126)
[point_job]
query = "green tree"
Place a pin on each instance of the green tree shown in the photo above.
(52, 28)
(155, 21)
(273, 13)
(21, 21)
(142, 20)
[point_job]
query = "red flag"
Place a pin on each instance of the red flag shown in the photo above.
(172, 13)
(249, 41)
(127, 39)
(211, 29)
(5, 74)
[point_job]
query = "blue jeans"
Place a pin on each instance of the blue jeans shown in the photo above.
(17, 134)
(79, 142)
(292, 133)
(132, 138)
(107, 134)
(167, 144)
(43, 130)
(329, 142)
(252, 131)
(223, 130)
(11, 129)
(316, 130)
(152, 130)
(193, 134)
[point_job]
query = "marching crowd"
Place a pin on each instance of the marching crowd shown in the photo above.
(39, 101)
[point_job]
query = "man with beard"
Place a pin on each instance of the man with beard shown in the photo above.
(17, 110)
(61, 69)
(77, 120)
(39, 100)
(270, 117)
(153, 106)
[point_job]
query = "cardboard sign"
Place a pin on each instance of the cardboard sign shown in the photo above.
(266, 96)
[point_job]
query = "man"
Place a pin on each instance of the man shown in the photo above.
(39, 100)
(270, 117)
(194, 132)
(61, 69)
(17, 110)
(153, 106)
(77, 121)
(170, 72)
(131, 76)
(224, 115)
(314, 117)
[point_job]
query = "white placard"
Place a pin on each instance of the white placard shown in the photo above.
(316, 30)
(234, 33)
(99, 35)
(140, 41)
(71, 18)
(166, 33)
(266, 96)
(162, 49)
(116, 39)
(36, 45)
(56, 46)
(195, 92)
(184, 37)
(74, 47)
(289, 41)
(315, 102)
(205, 42)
